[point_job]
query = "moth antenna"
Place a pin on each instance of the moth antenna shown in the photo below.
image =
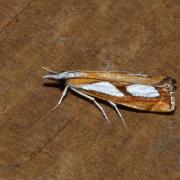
(49, 71)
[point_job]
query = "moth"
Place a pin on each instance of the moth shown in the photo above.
(138, 91)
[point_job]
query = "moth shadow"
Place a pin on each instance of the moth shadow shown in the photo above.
(59, 84)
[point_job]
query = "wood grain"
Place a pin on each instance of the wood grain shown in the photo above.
(75, 142)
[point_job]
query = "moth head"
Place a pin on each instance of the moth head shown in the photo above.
(54, 75)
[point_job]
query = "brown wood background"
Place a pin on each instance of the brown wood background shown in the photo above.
(75, 142)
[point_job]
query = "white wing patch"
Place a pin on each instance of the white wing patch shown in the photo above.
(103, 87)
(142, 90)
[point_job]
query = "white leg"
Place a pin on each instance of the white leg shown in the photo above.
(92, 99)
(63, 95)
(120, 115)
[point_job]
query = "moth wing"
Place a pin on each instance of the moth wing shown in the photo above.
(138, 96)
(120, 76)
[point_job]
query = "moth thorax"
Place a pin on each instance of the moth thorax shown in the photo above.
(69, 75)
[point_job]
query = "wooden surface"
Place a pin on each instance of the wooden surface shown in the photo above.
(75, 142)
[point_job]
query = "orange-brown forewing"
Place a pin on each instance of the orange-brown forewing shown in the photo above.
(126, 77)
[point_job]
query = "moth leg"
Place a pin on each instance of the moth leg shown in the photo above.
(118, 112)
(62, 96)
(108, 66)
(92, 99)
